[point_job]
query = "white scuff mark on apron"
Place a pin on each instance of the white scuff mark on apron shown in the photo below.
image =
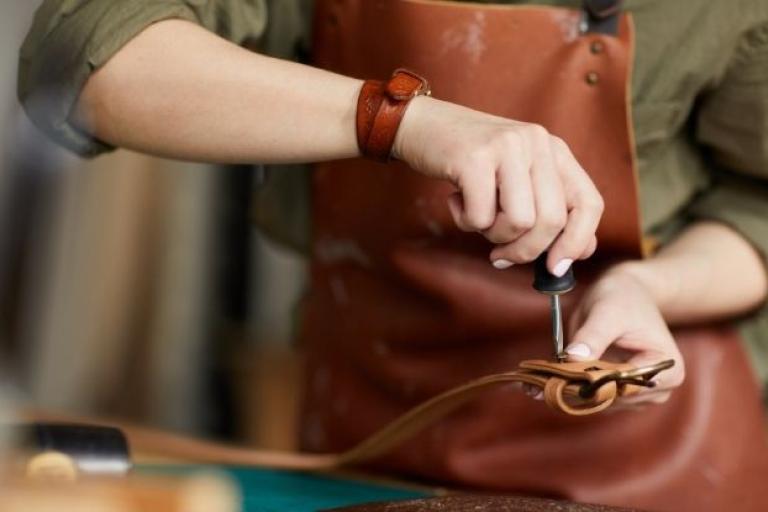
(434, 227)
(314, 434)
(568, 22)
(420, 243)
(321, 378)
(312, 431)
(381, 348)
(438, 434)
(513, 388)
(468, 38)
(409, 389)
(711, 475)
(339, 291)
(431, 224)
(340, 406)
(334, 250)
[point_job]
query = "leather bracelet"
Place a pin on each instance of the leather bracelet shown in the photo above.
(380, 110)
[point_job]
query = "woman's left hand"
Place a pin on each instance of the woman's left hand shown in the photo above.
(618, 319)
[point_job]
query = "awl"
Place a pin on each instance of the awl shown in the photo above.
(549, 284)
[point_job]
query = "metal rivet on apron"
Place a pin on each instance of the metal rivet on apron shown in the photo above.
(597, 47)
(592, 78)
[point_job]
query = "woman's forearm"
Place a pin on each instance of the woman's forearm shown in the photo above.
(708, 273)
(178, 90)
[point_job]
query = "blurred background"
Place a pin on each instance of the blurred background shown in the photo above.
(138, 288)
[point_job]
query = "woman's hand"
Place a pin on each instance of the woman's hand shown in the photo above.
(618, 319)
(708, 273)
(518, 185)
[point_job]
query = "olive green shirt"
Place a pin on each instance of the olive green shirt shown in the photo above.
(699, 98)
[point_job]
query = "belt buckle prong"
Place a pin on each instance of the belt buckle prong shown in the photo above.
(641, 376)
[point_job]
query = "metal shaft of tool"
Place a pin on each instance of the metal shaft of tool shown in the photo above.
(557, 325)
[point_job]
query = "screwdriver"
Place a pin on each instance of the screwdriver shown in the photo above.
(549, 284)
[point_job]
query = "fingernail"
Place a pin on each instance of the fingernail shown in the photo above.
(579, 350)
(562, 267)
(539, 396)
(502, 264)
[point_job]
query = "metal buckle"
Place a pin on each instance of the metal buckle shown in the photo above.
(423, 90)
(642, 376)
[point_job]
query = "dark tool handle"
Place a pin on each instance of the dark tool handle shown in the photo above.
(96, 450)
(546, 282)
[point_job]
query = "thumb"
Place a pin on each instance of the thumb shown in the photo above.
(592, 339)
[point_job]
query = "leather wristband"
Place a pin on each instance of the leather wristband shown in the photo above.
(380, 110)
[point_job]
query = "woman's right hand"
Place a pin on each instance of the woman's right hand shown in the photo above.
(518, 185)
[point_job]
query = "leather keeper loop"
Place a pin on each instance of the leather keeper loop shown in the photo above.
(380, 110)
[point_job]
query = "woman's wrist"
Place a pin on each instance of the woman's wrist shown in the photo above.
(410, 126)
(661, 286)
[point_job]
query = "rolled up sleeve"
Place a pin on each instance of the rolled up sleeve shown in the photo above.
(733, 125)
(70, 39)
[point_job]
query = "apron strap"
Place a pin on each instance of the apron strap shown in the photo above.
(602, 16)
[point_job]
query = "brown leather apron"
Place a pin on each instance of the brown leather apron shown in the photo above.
(402, 305)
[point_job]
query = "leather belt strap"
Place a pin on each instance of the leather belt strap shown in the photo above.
(575, 388)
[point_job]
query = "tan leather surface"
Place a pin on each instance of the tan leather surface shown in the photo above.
(403, 306)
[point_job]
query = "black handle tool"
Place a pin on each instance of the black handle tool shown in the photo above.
(93, 450)
(549, 284)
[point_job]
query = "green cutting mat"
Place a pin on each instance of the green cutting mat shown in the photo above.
(265, 490)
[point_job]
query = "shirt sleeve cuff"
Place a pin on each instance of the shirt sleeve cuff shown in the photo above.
(65, 47)
(742, 205)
